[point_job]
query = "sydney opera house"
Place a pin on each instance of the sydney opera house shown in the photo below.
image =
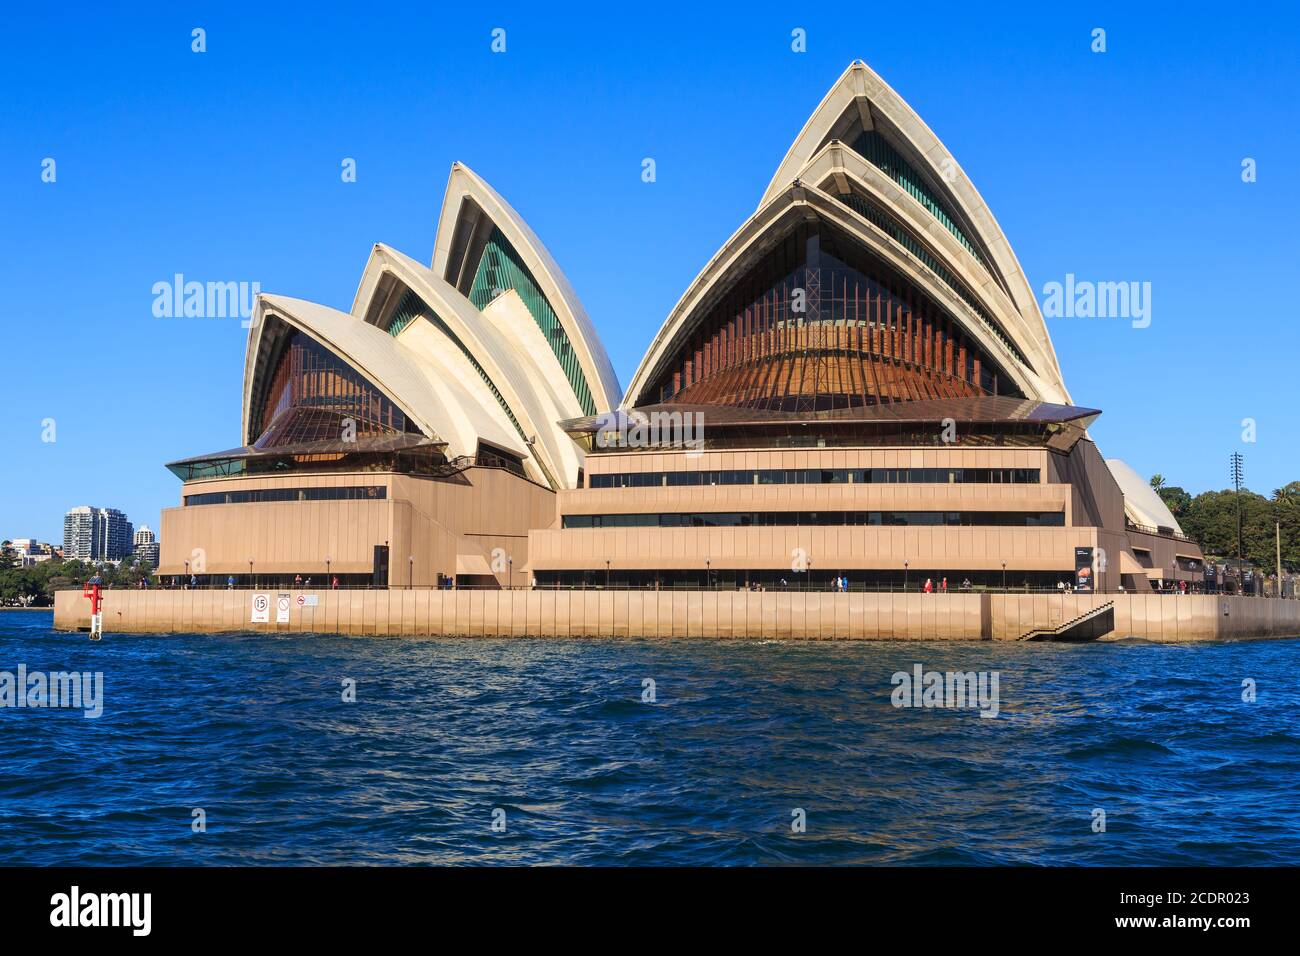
(858, 390)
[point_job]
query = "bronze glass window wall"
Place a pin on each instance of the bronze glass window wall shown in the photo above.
(819, 476)
(742, 519)
(348, 493)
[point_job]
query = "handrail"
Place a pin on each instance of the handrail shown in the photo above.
(789, 589)
(1158, 532)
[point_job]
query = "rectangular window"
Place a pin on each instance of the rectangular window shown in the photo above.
(344, 493)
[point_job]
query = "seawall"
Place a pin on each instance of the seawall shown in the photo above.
(796, 615)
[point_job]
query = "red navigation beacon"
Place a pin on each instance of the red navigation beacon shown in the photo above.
(93, 591)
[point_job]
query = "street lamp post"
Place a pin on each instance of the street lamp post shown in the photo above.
(1004, 575)
(904, 575)
(327, 570)
(251, 582)
(510, 572)
(410, 571)
(708, 573)
(607, 574)
(1237, 472)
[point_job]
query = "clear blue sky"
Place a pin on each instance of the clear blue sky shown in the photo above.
(224, 166)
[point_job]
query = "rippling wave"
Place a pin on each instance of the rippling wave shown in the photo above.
(741, 735)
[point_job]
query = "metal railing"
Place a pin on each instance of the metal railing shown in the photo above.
(1158, 532)
(787, 589)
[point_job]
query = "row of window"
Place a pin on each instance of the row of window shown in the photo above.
(348, 492)
(741, 519)
(820, 476)
(815, 579)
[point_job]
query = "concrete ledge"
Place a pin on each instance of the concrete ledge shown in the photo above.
(795, 615)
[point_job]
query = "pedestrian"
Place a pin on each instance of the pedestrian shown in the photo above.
(943, 585)
(929, 586)
(297, 580)
(335, 584)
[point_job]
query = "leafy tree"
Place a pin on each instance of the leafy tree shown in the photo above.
(1211, 519)
(1286, 511)
(8, 556)
(1176, 499)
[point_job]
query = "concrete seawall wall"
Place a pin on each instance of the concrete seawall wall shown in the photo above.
(1154, 617)
(710, 614)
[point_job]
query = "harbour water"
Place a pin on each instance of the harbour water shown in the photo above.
(560, 737)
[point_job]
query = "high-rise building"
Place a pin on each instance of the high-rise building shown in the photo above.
(96, 534)
(146, 546)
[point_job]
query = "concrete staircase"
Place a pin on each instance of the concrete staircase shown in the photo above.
(1088, 626)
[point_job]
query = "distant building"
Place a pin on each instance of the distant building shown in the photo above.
(96, 534)
(29, 551)
(146, 546)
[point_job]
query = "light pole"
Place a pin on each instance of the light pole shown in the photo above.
(1004, 575)
(607, 574)
(708, 573)
(1237, 472)
(410, 571)
(904, 575)
(510, 572)
(327, 570)
(251, 582)
(1277, 529)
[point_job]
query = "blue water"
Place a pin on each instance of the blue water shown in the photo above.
(253, 730)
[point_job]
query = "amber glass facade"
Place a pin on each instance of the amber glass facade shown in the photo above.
(313, 396)
(820, 323)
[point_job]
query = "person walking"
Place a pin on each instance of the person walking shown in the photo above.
(929, 586)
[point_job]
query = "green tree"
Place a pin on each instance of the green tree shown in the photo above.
(1286, 511)
(1176, 500)
(1211, 519)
